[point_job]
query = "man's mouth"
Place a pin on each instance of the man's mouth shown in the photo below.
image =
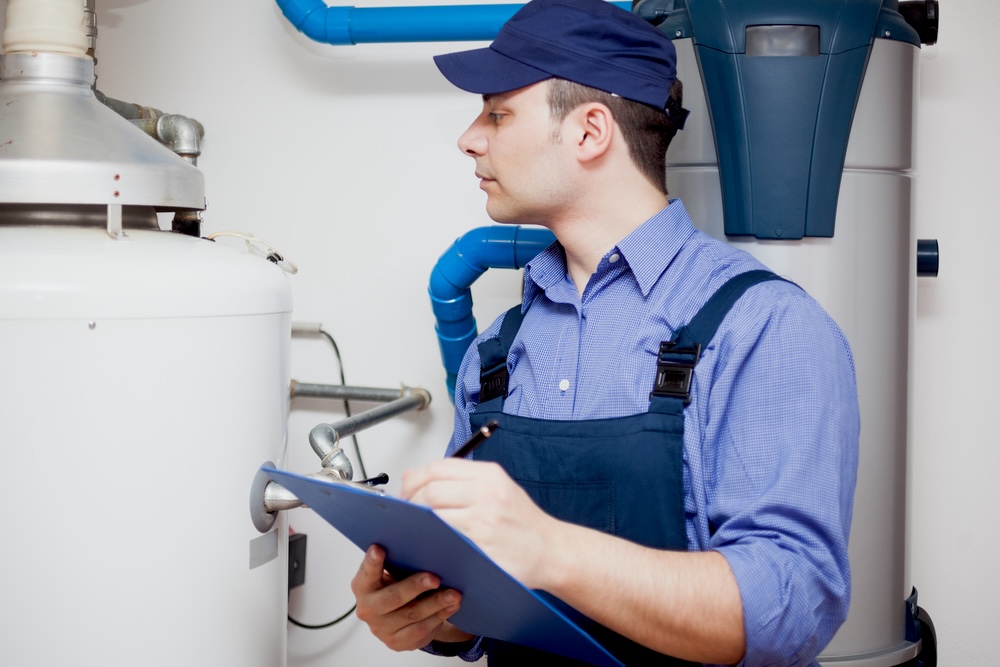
(484, 180)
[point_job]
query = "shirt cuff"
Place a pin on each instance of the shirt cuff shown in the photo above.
(785, 617)
(470, 650)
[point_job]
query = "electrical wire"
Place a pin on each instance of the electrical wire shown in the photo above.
(361, 467)
(324, 625)
(347, 406)
(261, 248)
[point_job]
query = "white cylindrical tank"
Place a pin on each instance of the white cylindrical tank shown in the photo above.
(864, 276)
(143, 381)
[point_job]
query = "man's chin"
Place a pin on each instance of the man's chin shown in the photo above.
(500, 215)
(506, 215)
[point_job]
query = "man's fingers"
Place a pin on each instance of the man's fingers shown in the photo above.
(407, 614)
(403, 621)
(450, 482)
(398, 595)
(445, 494)
(380, 590)
(442, 469)
(423, 620)
(369, 576)
(379, 594)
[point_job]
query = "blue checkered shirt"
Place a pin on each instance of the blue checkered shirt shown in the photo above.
(770, 436)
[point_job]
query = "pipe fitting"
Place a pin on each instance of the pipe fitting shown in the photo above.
(277, 498)
(323, 438)
(338, 463)
(422, 394)
(181, 134)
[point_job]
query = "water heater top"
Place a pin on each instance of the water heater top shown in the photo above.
(60, 145)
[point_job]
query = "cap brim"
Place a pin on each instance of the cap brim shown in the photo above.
(486, 71)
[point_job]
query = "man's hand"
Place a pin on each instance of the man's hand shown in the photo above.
(408, 614)
(684, 604)
(483, 503)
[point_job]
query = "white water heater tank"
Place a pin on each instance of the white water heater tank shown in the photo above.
(144, 379)
(865, 277)
(142, 383)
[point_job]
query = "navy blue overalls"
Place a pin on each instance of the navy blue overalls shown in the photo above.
(623, 475)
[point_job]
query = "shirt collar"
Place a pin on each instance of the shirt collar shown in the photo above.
(647, 251)
(545, 270)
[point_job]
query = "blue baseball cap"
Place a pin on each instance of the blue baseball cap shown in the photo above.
(591, 42)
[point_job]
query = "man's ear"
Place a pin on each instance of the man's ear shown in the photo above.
(594, 130)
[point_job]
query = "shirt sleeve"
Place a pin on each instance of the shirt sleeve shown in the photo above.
(779, 446)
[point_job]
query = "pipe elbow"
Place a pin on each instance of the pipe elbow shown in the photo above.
(450, 277)
(317, 21)
(182, 134)
(482, 248)
(324, 439)
(485, 247)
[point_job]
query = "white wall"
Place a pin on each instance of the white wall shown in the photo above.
(953, 542)
(345, 159)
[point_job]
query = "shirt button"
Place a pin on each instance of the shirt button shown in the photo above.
(614, 258)
(563, 385)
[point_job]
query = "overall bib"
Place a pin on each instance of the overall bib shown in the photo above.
(622, 476)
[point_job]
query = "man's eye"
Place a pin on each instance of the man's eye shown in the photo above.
(495, 117)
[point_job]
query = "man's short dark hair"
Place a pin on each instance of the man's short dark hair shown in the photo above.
(647, 130)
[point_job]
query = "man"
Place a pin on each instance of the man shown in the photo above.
(702, 514)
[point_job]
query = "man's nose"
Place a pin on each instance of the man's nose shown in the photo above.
(473, 140)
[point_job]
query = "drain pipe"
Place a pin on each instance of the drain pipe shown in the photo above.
(267, 497)
(325, 438)
(498, 247)
(354, 25)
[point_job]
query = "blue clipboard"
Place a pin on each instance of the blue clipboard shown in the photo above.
(415, 539)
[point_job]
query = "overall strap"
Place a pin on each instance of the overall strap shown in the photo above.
(678, 356)
(493, 375)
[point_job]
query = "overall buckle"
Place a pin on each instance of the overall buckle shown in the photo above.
(494, 383)
(674, 371)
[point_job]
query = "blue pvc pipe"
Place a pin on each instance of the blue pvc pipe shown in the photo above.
(497, 247)
(432, 23)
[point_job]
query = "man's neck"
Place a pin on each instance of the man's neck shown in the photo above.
(588, 236)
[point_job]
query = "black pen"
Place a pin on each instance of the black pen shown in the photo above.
(478, 438)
